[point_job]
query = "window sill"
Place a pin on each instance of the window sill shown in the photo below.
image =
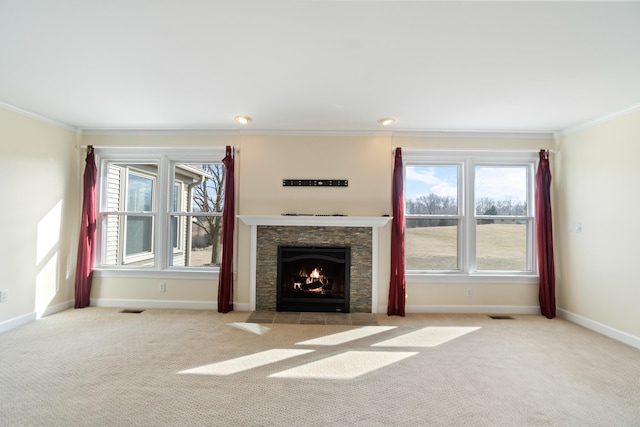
(473, 278)
(175, 273)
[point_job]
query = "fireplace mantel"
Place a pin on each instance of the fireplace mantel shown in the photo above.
(255, 221)
(315, 220)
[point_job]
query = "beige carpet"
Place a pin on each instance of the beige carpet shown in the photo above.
(100, 367)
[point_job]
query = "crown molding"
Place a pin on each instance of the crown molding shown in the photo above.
(599, 120)
(316, 132)
(227, 132)
(494, 134)
(159, 132)
(415, 133)
(38, 117)
(399, 133)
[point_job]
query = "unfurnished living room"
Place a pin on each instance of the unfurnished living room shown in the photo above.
(311, 212)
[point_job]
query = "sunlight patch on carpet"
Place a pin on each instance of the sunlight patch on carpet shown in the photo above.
(345, 366)
(245, 363)
(343, 337)
(430, 336)
(255, 328)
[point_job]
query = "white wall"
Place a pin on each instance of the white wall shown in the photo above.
(40, 181)
(366, 161)
(363, 160)
(596, 179)
(596, 279)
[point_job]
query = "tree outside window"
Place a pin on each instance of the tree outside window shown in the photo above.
(160, 212)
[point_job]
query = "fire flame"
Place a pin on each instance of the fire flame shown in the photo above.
(316, 279)
(315, 274)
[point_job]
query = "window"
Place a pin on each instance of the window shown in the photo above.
(432, 217)
(139, 191)
(196, 218)
(160, 211)
(469, 214)
(502, 219)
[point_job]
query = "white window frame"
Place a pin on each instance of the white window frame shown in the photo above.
(164, 158)
(140, 256)
(179, 248)
(467, 160)
(184, 215)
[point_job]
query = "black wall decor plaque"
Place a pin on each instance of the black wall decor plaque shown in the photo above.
(315, 182)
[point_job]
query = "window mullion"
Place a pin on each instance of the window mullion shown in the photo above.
(161, 214)
(469, 218)
(532, 255)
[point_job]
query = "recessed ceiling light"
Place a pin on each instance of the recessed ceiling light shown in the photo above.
(242, 119)
(387, 121)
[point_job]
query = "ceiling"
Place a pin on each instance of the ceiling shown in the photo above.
(320, 66)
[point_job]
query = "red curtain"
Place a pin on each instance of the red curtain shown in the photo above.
(397, 283)
(544, 235)
(225, 282)
(87, 241)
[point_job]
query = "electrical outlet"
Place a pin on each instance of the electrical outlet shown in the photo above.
(575, 227)
(4, 295)
(163, 287)
(469, 292)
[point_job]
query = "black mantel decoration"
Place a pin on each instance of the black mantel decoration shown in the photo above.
(315, 182)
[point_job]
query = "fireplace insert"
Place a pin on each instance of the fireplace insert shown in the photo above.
(313, 278)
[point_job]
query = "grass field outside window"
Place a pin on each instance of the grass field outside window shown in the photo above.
(469, 213)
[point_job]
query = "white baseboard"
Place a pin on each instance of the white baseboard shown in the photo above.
(241, 306)
(171, 304)
(468, 309)
(600, 328)
(16, 322)
(57, 308)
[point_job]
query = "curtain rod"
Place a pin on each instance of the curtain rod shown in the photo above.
(236, 148)
(480, 150)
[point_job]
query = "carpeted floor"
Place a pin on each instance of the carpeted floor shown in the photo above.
(103, 367)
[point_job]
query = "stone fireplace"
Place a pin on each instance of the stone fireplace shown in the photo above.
(360, 234)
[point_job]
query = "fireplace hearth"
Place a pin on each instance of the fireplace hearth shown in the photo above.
(313, 278)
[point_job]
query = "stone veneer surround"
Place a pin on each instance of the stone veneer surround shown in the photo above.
(358, 238)
(340, 231)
